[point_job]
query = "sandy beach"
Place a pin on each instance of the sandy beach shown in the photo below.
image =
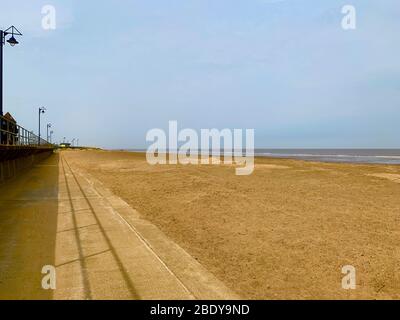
(283, 232)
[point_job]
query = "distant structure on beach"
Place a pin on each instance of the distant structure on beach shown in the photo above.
(65, 145)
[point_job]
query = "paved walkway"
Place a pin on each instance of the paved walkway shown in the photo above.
(100, 247)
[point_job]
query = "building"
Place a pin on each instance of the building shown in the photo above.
(65, 145)
(9, 130)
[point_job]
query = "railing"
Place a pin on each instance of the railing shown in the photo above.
(12, 134)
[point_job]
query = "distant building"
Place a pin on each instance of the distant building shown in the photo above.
(9, 117)
(9, 130)
(65, 145)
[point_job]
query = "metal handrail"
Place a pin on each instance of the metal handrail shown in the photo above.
(12, 134)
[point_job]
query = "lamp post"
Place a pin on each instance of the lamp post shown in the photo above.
(41, 110)
(12, 41)
(51, 136)
(48, 127)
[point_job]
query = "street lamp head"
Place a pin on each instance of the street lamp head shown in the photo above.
(13, 31)
(12, 41)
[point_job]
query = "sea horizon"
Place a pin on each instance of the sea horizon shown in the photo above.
(341, 155)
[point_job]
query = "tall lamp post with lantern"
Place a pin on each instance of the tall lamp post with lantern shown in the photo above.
(41, 111)
(4, 34)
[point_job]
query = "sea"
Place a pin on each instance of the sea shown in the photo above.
(373, 156)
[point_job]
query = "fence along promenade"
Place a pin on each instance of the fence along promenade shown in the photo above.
(13, 135)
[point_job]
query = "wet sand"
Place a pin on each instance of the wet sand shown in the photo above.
(283, 232)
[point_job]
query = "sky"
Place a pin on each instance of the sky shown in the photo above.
(113, 70)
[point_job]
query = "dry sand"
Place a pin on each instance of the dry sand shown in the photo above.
(282, 233)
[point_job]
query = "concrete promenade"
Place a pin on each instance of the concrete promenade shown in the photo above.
(100, 247)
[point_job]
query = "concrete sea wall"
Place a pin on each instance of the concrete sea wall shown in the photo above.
(15, 160)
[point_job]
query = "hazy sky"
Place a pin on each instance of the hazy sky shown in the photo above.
(112, 70)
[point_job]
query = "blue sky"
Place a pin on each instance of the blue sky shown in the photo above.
(113, 70)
